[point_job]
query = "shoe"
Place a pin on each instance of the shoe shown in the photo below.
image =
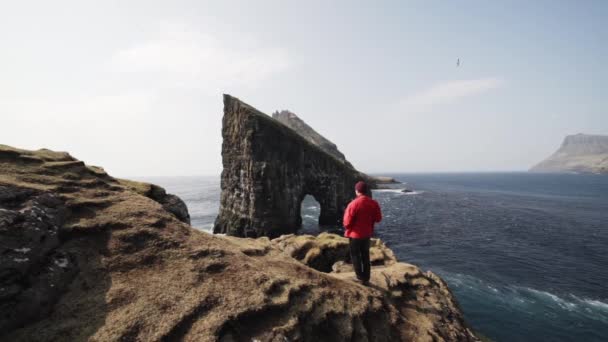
(361, 281)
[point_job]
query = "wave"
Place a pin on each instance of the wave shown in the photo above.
(563, 303)
(208, 228)
(573, 301)
(596, 303)
(525, 300)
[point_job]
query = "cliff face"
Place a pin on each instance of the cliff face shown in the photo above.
(298, 125)
(578, 153)
(269, 169)
(87, 257)
(292, 121)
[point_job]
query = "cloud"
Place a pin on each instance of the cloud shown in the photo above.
(189, 58)
(448, 92)
(79, 108)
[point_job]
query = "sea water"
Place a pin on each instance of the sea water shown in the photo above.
(525, 254)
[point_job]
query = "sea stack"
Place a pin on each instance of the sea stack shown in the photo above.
(269, 169)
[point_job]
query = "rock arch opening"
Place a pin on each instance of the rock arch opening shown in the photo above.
(310, 210)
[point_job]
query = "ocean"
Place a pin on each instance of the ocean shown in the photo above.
(525, 254)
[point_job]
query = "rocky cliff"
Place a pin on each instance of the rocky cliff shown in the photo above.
(292, 121)
(87, 257)
(269, 169)
(578, 153)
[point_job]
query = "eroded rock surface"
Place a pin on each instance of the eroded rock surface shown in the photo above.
(269, 169)
(299, 126)
(292, 121)
(326, 252)
(425, 307)
(86, 257)
(170, 202)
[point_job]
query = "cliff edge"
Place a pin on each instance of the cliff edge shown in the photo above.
(580, 153)
(88, 257)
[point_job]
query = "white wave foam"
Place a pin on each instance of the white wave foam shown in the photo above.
(572, 304)
(597, 304)
(207, 228)
(529, 299)
(559, 301)
(492, 288)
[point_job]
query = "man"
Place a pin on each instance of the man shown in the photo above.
(359, 218)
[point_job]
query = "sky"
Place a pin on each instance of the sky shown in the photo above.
(136, 86)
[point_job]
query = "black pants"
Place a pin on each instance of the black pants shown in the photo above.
(359, 255)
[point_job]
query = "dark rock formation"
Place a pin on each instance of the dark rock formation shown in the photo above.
(386, 180)
(579, 153)
(33, 271)
(292, 121)
(268, 169)
(87, 257)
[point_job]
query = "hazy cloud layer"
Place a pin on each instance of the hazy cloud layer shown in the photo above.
(449, 92)
(188, 58)
(78, 108)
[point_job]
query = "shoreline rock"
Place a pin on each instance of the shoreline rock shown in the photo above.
(385, 180)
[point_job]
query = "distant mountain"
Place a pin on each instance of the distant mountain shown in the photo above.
(580, 153)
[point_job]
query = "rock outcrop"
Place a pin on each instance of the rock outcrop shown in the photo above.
(298, 125)
(292, 121)
(170, 202)
(269, 169)
(580, 153)
(386, 180)
(422, 298)
(87, 257)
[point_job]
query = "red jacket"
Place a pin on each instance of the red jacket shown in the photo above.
(360, 216)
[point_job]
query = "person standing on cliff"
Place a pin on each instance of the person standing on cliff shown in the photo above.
(359, 218)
